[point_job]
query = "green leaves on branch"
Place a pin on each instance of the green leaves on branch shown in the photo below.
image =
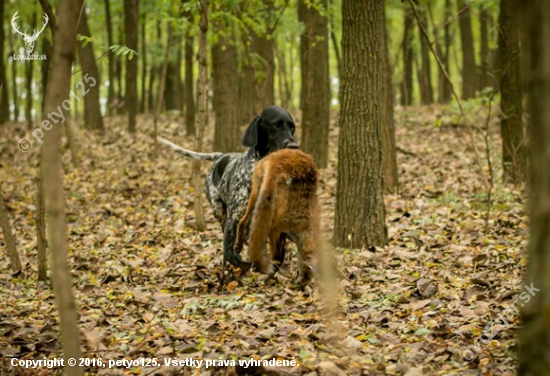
(123, 50)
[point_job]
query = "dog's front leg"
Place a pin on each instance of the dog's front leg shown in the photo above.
(229, 237)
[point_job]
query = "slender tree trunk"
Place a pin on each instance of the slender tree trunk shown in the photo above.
(389, 155)
(264, 71)
(225, 83)
(9, 239)
(14, 82)
(511, 113)
(151, 87)
(111, 60)
(173, 92)
(469, 82)
(315, 92)
(444, 84)
(143, 99)
(120, 102)
(45, 67)
(189, 86)
(131, 25)
(484, 52)
(202, 118)
(534, 335)
(247, 91)
(4, 99)
(58, 90)
(42, 246)
(407, 85)
(360, 211)
(92, 110)
(162, 83)
(425, 77)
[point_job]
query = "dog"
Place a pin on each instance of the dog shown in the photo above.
(283, 201)
(229, 180)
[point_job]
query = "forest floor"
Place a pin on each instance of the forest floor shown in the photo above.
(147, 283)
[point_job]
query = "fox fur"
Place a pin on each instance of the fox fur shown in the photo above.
(283, 202)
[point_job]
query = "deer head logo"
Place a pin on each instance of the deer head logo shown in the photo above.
(29, 39)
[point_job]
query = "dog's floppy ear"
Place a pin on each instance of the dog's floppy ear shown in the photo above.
(250, 137)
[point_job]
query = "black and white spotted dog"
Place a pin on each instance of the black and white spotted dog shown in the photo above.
(229, 180)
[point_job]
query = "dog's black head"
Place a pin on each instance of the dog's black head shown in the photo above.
(271, 131)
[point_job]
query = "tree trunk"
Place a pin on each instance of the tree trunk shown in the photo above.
(162, 84)
(8, 236)
(469, 82)
(119, 103)
(534, 334)
(189, 92)
(202, 118)
(511, 113)
(247, 92)
(227, 134)
(45, 67)
(360, 211)
(143, 99)
(444, 85)
(111, 60)
(14, 89)
(58, 90)
(389, 157)
(4, 99)
(425, 77)
(407, 85)
(92, 110)
(315, 93)
(41, 243)
(174, 88)
(131, 25)
(264, 72)
(484, 52)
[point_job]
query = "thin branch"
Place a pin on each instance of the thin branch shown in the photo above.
(453, 92)
(51, 15)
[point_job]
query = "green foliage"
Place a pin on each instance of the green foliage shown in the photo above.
(123, 50)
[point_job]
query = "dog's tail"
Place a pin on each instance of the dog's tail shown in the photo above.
(190, 153)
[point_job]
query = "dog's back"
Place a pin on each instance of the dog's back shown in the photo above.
(283, 200)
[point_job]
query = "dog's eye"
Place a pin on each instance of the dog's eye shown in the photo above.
(278, 124)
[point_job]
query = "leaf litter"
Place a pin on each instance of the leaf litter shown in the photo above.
(148, 285)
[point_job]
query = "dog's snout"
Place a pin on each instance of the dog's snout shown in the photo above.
(291, 145)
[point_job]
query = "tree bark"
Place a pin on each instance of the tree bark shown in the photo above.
(45, 67)
(58, 90)
(534, 334)
(315, 92)
(484, 52)
(360, 211)
(9, 239)
(111, 60)
(264, 71)
(425, 77)
(227, 133)
(174, 87)
(4, 96)
(189, 86)
(407, 84)
(202, 118)
(469, 82)
(511, 113)
(14, 90)
(389, 155)
(143, 99)
(131, 25)
(42, 246)
(92, 110)
(444, 84)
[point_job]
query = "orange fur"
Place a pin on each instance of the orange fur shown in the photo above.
(283, 201)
